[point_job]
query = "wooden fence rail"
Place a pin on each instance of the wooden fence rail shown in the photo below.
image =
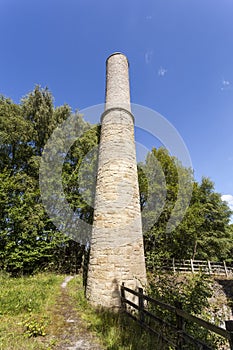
(194, 266)
(171, 320)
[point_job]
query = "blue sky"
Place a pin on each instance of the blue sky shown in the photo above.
(181, 63)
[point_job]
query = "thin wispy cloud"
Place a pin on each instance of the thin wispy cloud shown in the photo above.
(148, 18)
(148, 56)
(226, 85)
(162, 71)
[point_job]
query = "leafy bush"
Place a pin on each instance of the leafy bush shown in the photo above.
(192, 291)
(34, 327)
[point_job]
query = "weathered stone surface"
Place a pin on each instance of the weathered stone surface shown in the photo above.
(117, 82)
(117, 253)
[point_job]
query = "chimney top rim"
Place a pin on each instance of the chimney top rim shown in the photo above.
(117, 53)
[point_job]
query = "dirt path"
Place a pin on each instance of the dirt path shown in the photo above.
(73, 334)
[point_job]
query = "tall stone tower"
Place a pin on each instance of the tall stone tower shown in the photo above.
(117, 253)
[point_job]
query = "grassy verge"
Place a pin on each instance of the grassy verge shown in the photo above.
(26, 311)
(115, 330)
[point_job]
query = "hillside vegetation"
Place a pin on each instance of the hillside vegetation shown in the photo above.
(36, 313)
(34, 252)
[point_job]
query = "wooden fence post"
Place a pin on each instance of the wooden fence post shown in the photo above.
(141, 305)
(180, 327)
(123, 304)
(173, 265)
(209, 267)
(192, 268)
(229, 328)
(225, 268)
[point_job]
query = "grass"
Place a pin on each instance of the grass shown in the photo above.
(118, 332)
(25, 311)
(115, 330)
(30, 320)
(33, 316)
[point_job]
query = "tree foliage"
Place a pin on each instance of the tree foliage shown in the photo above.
(203, 233)
(28, 238)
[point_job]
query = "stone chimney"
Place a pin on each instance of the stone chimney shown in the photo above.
(117, 253)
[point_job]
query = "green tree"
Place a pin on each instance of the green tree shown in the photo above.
(159, 186)
(28, 238)
(203, 233)
(15, 136)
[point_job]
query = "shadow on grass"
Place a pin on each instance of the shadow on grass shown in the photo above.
(118, 331)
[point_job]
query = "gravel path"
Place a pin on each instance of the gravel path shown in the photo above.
(74, 334)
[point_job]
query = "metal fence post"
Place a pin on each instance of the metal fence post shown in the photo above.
(180, 327)
(141, 305)
(229, 328)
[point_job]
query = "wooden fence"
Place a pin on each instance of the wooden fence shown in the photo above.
(172, 325)
(194, 266)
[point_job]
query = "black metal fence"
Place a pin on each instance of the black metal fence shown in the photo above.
(174, 326)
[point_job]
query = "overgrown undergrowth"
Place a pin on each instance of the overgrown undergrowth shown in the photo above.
(116, 330)
(25, 311)
(28, 319)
